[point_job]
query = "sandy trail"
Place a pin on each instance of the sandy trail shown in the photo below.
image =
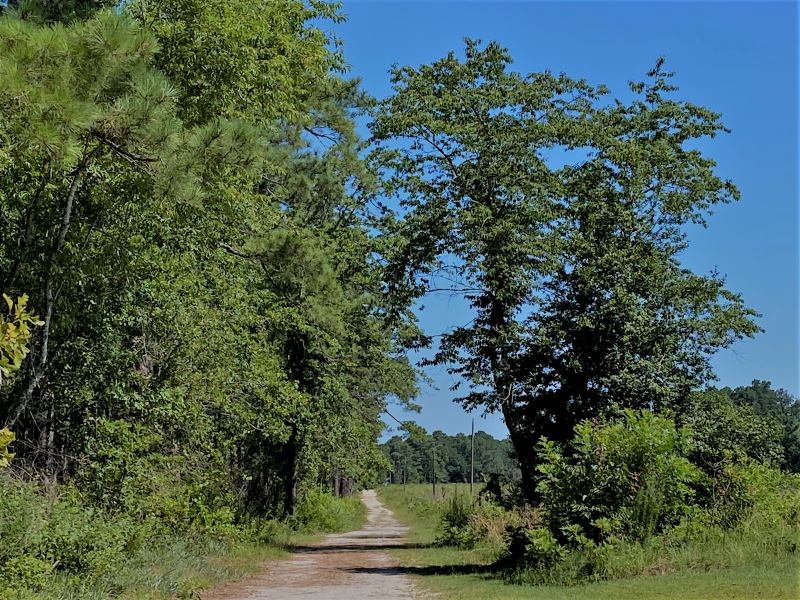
(344, 566)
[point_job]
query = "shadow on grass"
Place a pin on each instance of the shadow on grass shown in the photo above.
(489, 570)
(358, 547)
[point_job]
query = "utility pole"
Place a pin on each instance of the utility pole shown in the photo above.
(472, 460)
(434, 470)
(405, 470)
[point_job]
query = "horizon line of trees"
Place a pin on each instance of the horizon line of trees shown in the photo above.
(412, 458)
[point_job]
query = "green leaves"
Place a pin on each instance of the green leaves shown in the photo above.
(15, 334)
(629, 478)
(186, 199)
(558, 216)
(256, 61)
(6, 438)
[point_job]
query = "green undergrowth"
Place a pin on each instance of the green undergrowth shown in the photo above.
(177, 568)
(414, 505)
(753, 561)
(56, 546)
(320, 512)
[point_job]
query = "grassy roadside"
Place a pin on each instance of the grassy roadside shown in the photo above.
(452, 573)
(173, 564)
(178, 570)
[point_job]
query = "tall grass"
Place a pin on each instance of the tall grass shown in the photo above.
(320, 512)
(59, 547)
(415, 504)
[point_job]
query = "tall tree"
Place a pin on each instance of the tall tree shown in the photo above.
(559, 216)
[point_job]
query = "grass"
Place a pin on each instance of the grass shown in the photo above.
(415, 506)
(177, 565)
(745, 583)
(451, 573)
(172, 570)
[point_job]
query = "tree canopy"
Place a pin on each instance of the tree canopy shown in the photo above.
(571, 266)
(184, 201)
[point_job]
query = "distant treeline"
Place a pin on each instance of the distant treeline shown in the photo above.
(493, 456)
(779, 407)
(415, 457)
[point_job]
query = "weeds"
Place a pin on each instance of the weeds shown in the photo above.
(59, 547)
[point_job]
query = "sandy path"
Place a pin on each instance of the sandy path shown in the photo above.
(344, 566)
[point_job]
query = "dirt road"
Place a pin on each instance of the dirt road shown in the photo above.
(344, 566)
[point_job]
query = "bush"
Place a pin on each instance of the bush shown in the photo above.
(455, 520)
(628, 478)
(621, 505)
(468, 524)
(25, 571)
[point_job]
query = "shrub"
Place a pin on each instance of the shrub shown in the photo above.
(455, 520)
(25, 571)
(468, 524)
(490, 524)
(628, 478)
(640, 521)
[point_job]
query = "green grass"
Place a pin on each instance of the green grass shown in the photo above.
(745, 583)
(452, 573)
(414, 505)
(171, 570)
(176, 565)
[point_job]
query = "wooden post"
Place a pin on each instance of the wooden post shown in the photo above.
(434, 471)
(472, 460)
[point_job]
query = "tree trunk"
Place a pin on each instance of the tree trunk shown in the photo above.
(38, 372)
(525, 450)
(290, 473)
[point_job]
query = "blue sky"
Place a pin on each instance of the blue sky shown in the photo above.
(737, 58)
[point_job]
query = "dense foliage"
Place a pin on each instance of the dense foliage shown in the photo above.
(411, 458)
(225, 300)
(777, 405)
(204, 266)
(630, 478)
(183, 199)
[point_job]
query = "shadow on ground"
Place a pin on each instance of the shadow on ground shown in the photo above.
(430, 570)
(357, 547)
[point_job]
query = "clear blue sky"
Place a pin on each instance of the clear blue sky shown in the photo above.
(737, 58)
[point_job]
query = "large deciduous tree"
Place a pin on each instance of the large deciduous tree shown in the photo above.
(559, 216)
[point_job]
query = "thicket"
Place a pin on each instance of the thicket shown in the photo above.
(639, 495)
